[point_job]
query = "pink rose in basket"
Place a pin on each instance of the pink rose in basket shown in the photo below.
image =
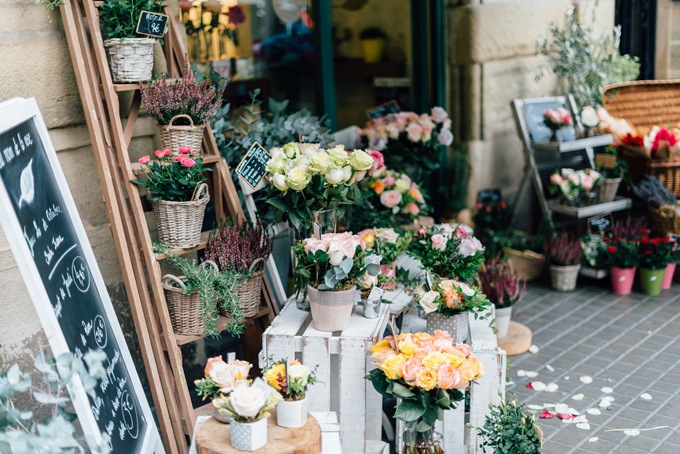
(414, 132)
(439, 115)
(411, 368)
(439, 242)
(447, 376)
(390, 198)
(556, 179)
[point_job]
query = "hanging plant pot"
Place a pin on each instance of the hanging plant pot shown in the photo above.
(130, 59)
(185, 310)
(331, 310)
(457, 325)
(651, 280)
(180, 223)
(622, 280)
(175, 136)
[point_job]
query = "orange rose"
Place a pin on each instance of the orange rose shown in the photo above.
(448, 376)
(410, 369)
(378, 187)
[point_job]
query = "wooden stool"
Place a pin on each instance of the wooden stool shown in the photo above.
(213, 437)
(517, 341)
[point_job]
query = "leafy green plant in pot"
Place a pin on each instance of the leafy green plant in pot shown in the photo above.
(565, 254)
(130, 55)
(372, 44)
(503, 287)
(622, 256)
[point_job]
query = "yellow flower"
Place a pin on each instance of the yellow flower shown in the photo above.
(298, 178)
(434, 360)
(454, 360)
(392, 367)
(360, 160)
(272, 376)
(407, 348)
(471, 369)
(368, 236)
(382, 351)
(426, 378)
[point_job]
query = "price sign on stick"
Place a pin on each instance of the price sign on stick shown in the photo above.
(600, 224)
(253, 166)
(151, 24)
(489, 196)
(383, 110)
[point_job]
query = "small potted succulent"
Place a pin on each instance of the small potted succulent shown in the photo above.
(655, 254)
(565, 254)
(130, 55)
(503, 287)
(291, 379)
(623, 257)
(372, 44)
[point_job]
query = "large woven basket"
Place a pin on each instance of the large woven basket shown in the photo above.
(130, 59)
(250, 292)
(185, 310)
(173, 137)
(180, 223)
(607, 190)
(644, 104)
(663, 220)
(529, 265)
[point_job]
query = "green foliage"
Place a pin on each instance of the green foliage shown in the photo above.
(206, 388)
(118, 18)
(622, 253)
(215, 291)
(172, 179)
(56, 434)
(507, 430)
(587, 63)
(594, 250)
(51, 4)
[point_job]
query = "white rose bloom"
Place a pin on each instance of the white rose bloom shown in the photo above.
(335, 176)
(589, 117)
(299, 371)
(298, 178)
(279, 182)
(224, 375)
(247, 401)
(469, 246)
(466, 289)
(346, 173)
(309, 149)
(275, 152)
(320, 163)
(427, 301)
(402, 186)
(338, 155)
(335, 253)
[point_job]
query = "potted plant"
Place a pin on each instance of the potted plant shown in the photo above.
(655, 254)
(503, 287)
(248, 406)
(673, 259)
(662, 206)
(220, 379)
(330, 268)
(130, 55)
(291, 379)
(555, 120)
(423, 389)
(178, 194)
(565, 254)
(594, 251)
(389, 244)
(612, 170)
(508, 430)
(243, 248)
(447, 303)
(372, 44)
(182, 109)
(448, 250)
(575, 186)
(524, 251)
(623, 257)
(196, 297)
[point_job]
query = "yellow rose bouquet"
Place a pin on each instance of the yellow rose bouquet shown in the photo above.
(428, 373)
(291, 379)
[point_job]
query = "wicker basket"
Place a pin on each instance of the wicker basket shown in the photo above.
(528, 264)
(250, 292)
(180, 223)
(607, 190)
(130, 59)
(185, 310)
(173, 137)
(663, 220)
(564, 278)
(644, 104)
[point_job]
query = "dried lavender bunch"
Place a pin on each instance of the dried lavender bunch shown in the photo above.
(630, 229)
(500, 283)
(198, 99)
(563, 249)
(236, 246)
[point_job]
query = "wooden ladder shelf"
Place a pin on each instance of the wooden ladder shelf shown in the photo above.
(126, 208)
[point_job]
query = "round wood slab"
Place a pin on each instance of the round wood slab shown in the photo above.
(213, 437)
(517, 341)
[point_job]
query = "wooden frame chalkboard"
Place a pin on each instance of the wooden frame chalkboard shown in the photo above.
(54, 256)
(151, 24)
(597, 225)
(390, 107)
(252, 167)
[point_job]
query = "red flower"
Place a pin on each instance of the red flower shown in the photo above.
(504, 205)
(636, 141)
(606, 239)
(644, 240)
(144, 159)
(188, 162)
(648, 252)
(645, 231)
(667, 240)
(479, 205)
(611, 249)
(185, 149)
(656, 241)
(236, 15)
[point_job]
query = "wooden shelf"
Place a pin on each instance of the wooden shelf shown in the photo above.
(204, 410)
(574, 145)
(132, 86)
(221, 326)
(198, 247)
(619, 204)
(137, 168)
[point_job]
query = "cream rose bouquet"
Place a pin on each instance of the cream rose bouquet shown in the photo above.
(291, 379)
(248, 402)
(306, 178)
(221, 377)
(427, 373)
(450, 297)
(448, 250)
(574, 185)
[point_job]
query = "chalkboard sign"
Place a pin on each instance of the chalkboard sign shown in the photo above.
(56, 261)
(675, 239)
(489, 196)
(151, 24)
(253, 165)
(383, 110)
(533, 115)
(600, 224)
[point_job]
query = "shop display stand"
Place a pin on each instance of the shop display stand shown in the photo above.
(126, 209)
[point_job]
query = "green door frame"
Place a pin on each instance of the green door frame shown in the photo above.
(325, 67)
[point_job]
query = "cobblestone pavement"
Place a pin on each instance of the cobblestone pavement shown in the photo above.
(628, 345)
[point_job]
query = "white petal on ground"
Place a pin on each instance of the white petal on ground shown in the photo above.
(580, 419)
(538, 385)
(646, 396)
(548, 406)
(509, 383)
(521, 373)
(562, 408)
(586, 379)
(535, 407)
(573, 411)
(551, 388)
(550, 368)
(593, 439)
(593, 411)
(609, 398)
(578, 396)
(607, 390)
(531, 374)
(605, 404)
(533, 349)
(583, 425)
(631, 432)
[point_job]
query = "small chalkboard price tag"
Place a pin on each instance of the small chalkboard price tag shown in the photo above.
(252, 167)
(600, 224)
(489, 196)
(383, 110)
(151, 24)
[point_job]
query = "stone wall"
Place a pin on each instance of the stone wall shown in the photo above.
(492, 60)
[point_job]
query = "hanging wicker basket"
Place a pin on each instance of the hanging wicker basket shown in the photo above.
(130, 59)
(173, 137)
(185, 310)
(179, 223)
(250, 292)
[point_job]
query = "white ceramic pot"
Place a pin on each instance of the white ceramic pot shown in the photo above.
(292, 413)
(458, 325)
(249, 436)
(564, 278)
(503, 316)
(331, 310)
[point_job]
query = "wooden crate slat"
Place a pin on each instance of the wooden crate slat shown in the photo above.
(316, 353)
(352, 409)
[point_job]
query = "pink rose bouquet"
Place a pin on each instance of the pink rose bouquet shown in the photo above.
(574, 185)
(448, 250)
(555, 119)
(221, 377)
(427, 373)
(388, 244)
(450, 297)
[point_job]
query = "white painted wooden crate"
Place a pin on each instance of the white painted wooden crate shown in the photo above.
(343, 360)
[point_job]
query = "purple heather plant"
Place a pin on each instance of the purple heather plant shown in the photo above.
(631, 228)
(236, 246)
(500, 283)
(563, 249)
(198, 99)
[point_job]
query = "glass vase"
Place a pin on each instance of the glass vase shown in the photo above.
(422, 442)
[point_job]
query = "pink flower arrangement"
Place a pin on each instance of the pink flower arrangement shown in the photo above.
(556, 119)
(574, 185)
(221, 377)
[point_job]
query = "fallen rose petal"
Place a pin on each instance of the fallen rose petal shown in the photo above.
(573, 411)
(567, 377)
(631, 432)
(532, 374)
(547, 415)
(580, 418)
(568, 421)
(537, 385)
(593, 411)
(565, 416)
(605, 404)
(530, 385)
(646, 396)
(583, 425)
(578, 396)
(607, 390)
(562, 408)
(535, 407)
(551, 387)
(550, 368)
(549, 405)
(533, 349)
(521, 373)
(593, 439)
(609, 398)
(586, 379)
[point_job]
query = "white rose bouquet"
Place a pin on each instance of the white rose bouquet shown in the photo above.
(221, 377)
(337, 261)
(248, 402)
(291, 379)
(448, 250)
(306, 178)
(450, 297)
